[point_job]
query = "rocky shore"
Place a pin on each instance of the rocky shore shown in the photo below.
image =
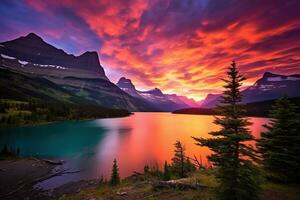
(18, 177)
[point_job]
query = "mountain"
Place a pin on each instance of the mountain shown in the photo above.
(183, 100)
(270, 86)
(127, 86)
(82, 76)
(165, 102)
(210, 100)
(254, 109)
(34, 49)
(22, 87)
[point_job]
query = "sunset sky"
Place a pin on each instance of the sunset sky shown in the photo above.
(179, 46)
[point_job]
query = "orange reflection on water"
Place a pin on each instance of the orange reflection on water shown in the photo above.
(148, 138)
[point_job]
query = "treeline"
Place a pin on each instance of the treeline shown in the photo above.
(20, 112)
(255, 109)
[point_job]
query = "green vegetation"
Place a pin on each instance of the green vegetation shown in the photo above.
(28, 99)
(140, 186)
(167, 173)
(232, 158)
(280, 144)
(181, 164)
(115, 177)
(32, 112)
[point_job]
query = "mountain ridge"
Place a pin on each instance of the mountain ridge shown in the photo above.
(32, 48)
(269, 87)
(83, 76)
(166, 102)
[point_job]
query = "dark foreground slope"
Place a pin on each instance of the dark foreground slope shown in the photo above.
(256, 109)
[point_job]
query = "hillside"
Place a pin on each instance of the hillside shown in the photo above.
(31, 99)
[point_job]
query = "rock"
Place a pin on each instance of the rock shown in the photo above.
(121, 193)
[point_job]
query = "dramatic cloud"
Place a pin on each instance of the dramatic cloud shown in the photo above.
(180, 46)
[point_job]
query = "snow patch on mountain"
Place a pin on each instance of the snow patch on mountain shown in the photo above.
(279, 78)
(23, 62)
(7, 57)
(290, 78)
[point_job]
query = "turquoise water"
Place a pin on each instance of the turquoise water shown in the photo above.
(64, 139)
(91, 146)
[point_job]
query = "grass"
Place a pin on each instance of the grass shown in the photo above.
(137, 189)
(142, 189)
(276, 191)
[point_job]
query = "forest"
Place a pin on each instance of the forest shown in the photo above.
(14, 112)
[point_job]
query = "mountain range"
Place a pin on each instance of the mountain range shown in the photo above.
(33, 69)
(164, 102)
(269, 87)
(81, 76)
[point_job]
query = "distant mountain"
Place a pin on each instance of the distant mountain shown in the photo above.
(127, 86)
(254, 109)
(165, 102)
(211, 100)
(270, 86)
(183, 100)
(83, 76)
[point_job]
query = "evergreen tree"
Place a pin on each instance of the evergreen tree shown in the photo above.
(146, 169)
(167, 174)
(115, 177)
(178, 161)
(280, 144)
(189, 166)
(232, 158)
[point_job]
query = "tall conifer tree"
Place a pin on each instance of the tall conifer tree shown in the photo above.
(231, 156)
(280, 144)
(179, 160)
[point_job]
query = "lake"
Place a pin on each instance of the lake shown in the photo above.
(91, 146)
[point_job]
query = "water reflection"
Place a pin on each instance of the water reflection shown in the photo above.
(91, 146)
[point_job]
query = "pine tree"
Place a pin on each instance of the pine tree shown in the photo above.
(280, 144)
(115, 177)
(167, 174)
(233, 159)
(178, 161)
(189, 166)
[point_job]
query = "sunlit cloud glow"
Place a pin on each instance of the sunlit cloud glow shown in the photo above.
(179, 46)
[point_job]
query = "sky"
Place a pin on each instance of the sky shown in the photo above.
(179, 46)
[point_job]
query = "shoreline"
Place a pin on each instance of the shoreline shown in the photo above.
(248, 116)
(58, 121)
(19, 177)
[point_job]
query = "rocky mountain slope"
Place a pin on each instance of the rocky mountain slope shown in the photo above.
(83, 76)
(165, 102)
(270, 86)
